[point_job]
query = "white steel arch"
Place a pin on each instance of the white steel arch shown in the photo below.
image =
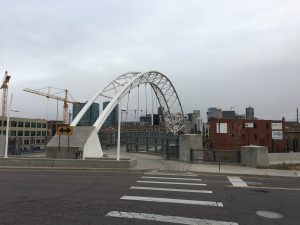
(122, 85)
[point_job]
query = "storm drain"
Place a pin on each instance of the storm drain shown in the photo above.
(270, 215)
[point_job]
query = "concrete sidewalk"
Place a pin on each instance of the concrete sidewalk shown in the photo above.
(146, 162)
(151, 162)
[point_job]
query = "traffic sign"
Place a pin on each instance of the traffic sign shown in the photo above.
(64, 130)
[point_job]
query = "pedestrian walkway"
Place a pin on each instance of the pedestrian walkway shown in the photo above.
(146, 162)
(161, 186)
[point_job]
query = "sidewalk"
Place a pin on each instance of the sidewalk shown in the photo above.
(146, 162)
(150, 162)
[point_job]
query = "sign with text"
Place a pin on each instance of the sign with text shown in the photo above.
(276, 126)
(64, 130)
(249, 125)
(277, 135)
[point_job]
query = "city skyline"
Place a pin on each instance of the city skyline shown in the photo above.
(215, 53)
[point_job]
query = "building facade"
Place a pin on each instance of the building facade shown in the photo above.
(24, 134)
(113, 117)
(250, 113)
(231, 134)
(213, 113)
(89, 117)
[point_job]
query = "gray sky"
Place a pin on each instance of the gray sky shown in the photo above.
(216, 53)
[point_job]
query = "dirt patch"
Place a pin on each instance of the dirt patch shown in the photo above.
(286, 167)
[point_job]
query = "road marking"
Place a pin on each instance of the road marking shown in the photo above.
(158, 182)
(170, 178)
(167, 219)
(172, 174)
(269, 188)
(172, 189)
(172, 200)
(237, 182)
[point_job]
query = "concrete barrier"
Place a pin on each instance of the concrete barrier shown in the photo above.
(284, 158)
(69, 163)
(188, 142)
(254, 156)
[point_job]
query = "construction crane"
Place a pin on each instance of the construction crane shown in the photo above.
(4, 86)
(63, 99)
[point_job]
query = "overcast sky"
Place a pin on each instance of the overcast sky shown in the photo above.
(216, 52)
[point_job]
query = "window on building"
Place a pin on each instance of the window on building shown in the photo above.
(243, 136)
(13, 133)
(39, 125)
(0, 123)
(43, 133)
(33, 125)
(27, 124)
(43, 141)
(267, 125)
(21, 124)
(4, 132)
(255, 125)
(27, 133)
(4, 123)
(37, 141)
(20, 133)
(44, 125)
(255, 136)
(32, 133)
(13, 123)
(268, 137)
(26, 142)
(38, 133)
(0, 131)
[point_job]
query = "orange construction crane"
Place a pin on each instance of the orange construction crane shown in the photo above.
(4, 86)
(63, 99)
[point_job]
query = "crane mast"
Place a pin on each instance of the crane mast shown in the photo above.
(4, 86)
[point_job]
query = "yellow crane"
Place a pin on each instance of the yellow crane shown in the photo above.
(4, 86)
(63, 99)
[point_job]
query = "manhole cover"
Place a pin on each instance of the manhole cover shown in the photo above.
(270, 215)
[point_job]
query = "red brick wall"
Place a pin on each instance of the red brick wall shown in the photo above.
(238, 135)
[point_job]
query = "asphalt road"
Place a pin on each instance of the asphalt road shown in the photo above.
(115, 198)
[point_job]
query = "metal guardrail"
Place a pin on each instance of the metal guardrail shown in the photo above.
(227, 156)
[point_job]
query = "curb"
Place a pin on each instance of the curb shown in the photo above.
(242, 175)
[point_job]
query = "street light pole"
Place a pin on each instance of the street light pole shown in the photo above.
(119, 130)
(7, 126)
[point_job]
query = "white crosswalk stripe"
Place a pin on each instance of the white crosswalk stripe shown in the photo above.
(172, 200)
(177, 183)
(167, 219)
(172, 174)
(237, 182)
(170, 178)
(172, 189)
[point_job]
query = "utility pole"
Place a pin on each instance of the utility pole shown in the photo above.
(297, 115)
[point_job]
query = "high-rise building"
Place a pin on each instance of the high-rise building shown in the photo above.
(228, 114)
(112, 119)
(213, 113)
(89, 117)
(250, 113)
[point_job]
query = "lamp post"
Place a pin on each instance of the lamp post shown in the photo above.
(119, 130)
(7, 125)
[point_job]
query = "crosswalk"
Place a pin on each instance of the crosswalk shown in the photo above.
(160, 186)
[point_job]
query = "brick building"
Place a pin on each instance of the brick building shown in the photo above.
(231, 134)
